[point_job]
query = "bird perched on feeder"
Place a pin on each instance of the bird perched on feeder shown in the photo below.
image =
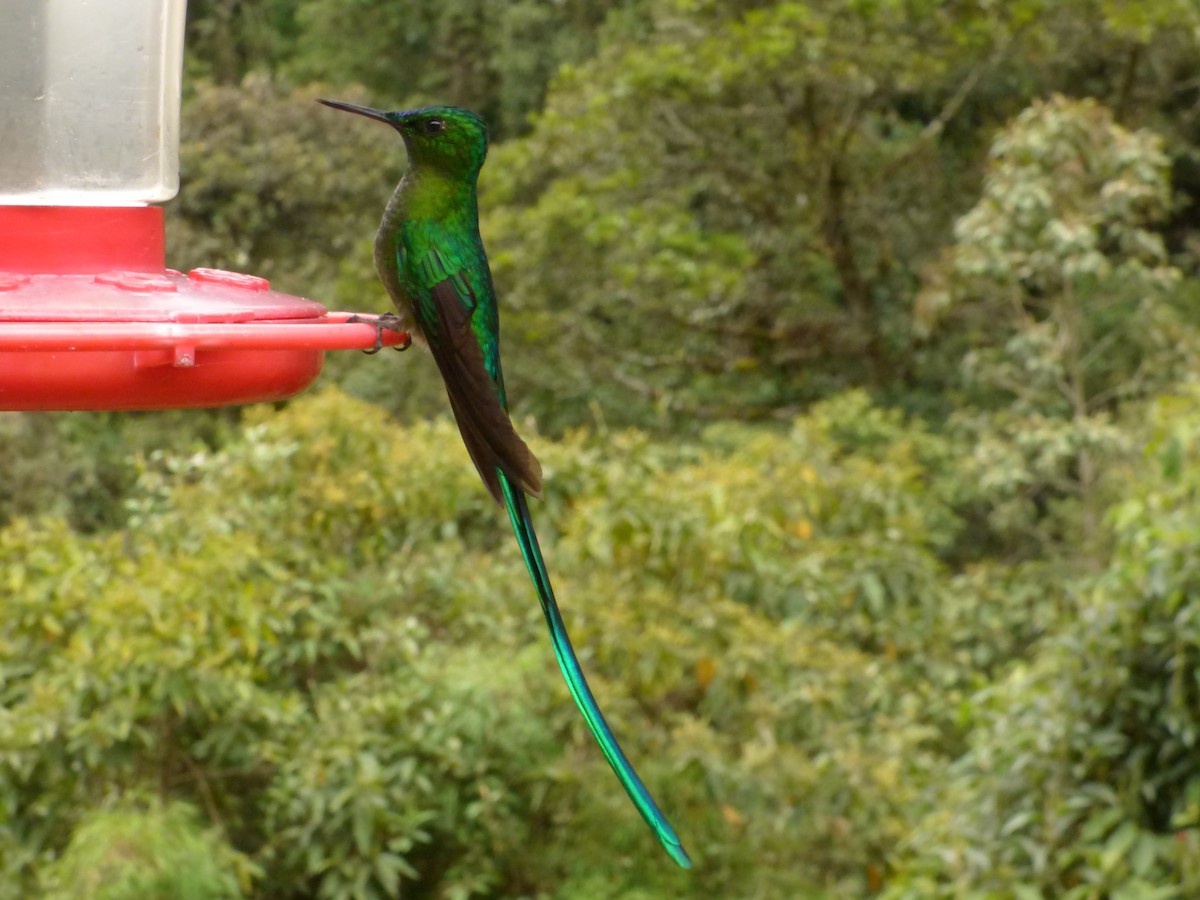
(431, 260)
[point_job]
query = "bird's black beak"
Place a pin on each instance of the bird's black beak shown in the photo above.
(361, 110)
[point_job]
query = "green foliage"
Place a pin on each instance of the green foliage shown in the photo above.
(228, 39)
(81, 466)
(159, 853)
(320, 636)
(1062, 285)
(881, 595)
(765, 186)
(1082, 779)
(497, 58)
(698, 184)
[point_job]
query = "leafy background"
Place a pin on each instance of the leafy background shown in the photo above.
(858, 339)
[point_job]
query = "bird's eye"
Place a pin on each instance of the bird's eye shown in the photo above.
(435, 126)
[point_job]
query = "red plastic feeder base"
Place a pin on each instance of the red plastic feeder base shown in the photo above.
(90, 320)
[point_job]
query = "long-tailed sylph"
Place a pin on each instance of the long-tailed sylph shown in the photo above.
(431, 260)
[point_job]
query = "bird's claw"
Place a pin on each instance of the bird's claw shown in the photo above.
(387, 322)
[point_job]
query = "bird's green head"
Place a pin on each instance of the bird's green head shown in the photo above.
(447, 138)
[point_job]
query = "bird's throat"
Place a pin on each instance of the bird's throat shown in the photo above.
(432, 196)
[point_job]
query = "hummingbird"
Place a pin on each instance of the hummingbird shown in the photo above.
(431, 260)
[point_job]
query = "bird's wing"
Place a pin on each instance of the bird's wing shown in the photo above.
(451, 319)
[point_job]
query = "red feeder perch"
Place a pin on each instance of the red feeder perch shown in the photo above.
(90, 318)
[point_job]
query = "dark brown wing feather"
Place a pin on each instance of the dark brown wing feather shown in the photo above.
(483, 421)
(480, 455)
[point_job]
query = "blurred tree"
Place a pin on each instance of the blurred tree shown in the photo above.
(228, 39)
(756, 184)
(496, 58)
(1082, 779)
(856, 652)
(763, 184)
(1061, 286)
(82, 465)
(320, 637)
(157, 853)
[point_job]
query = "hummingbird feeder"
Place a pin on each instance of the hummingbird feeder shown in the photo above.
(90, 317)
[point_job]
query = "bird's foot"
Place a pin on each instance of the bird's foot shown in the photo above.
(389, 321)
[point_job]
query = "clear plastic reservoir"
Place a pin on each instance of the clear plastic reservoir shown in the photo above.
(89, 101)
